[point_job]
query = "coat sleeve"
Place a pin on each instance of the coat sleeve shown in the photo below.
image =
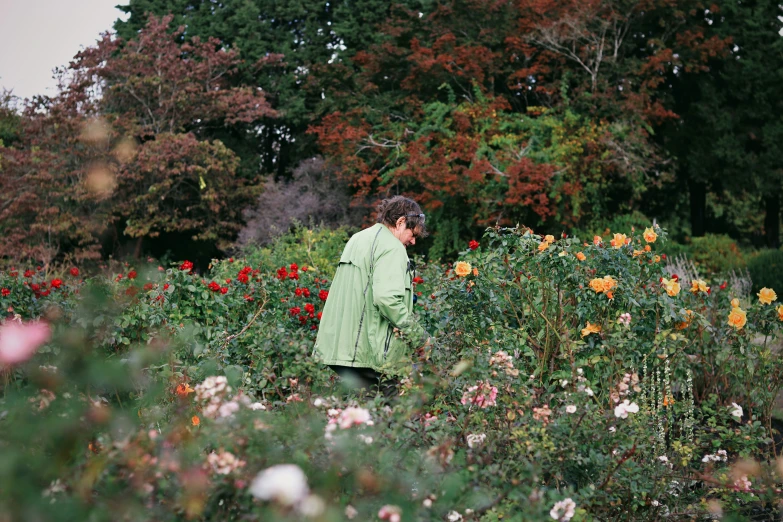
(388, 286)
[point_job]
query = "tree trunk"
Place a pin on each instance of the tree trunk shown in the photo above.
(698, 195)
(772, 219)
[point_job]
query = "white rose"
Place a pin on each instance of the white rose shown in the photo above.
(284, 483)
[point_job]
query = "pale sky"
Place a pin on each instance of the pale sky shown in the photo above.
(38, 35)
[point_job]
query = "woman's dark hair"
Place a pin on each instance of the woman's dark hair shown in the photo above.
(392, 209)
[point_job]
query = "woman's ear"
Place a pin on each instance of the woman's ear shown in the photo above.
(401, 222)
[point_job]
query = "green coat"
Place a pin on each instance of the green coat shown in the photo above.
(366, 303)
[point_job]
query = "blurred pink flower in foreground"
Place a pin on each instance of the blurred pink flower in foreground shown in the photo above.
(19, 341)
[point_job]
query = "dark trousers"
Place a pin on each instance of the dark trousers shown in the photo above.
(365, 380)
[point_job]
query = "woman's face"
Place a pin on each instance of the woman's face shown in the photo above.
(406, 235)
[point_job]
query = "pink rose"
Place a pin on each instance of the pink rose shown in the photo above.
(19, 341)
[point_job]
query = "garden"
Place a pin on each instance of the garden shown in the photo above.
(567, 378)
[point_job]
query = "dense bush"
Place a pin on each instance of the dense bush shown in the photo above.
(712, 253)
(565, 380)
(766, 269)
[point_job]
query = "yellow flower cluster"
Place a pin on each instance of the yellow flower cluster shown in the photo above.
(619, 240)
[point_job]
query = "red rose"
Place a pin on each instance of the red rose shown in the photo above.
(309, 308)
(132, 274)
(418, 280)
(13, 272)
(56, 283)
(148, 287)
(323, 294)
(34, 287)
(186, 265)
(298, 292)
(228, 281)
(294, 310)
(302, 319)
(282, 273)
(230, 259)
(663, 256)
(248, 297)
(119, 276)
(75, 272)
(166, 286)
(304, 269)
(224, 290)
(675, 277)
(6, 292)
(723, 286)
(294, 267)
(306, 292)
(473, 245)
(242, 278)
(320, 314)
(314, 327)
(214, 286)
(29, 273)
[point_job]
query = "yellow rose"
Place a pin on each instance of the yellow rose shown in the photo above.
(637, 253)
(699, 286)
(590, 329)
(780, 312)
(735, 303)
(672, 286)
(657, 259)
(580, 256)
(562, 254)
(543, 246)
(597, 284)
(649, 235)
(737, 318)
(462, 268)
(618, 240)
(549, 239)
(608, 283)
(767, 295)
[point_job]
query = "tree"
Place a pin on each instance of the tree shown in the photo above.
(133, 158)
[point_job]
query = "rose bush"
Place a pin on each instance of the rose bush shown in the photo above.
(543, 395)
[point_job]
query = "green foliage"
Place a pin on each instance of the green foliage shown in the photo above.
(316, 247)
(712, 253)
(766, 270)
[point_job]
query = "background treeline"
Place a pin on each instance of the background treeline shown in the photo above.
(200, 126)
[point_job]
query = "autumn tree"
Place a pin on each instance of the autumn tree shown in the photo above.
(124, 146)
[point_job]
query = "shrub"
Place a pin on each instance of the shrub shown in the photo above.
(712, 253)
(766, 270)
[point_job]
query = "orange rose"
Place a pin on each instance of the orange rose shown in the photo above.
(767, 295)
(580, 256)
(184, 389)
(737, 318)
(590, 329)
(609, 295)
(475, 271)
(461, 268)
(597, 285)
(618, 241)
(647, 248)
(543, 246)
(608, 283)
(195, 420)
(649, 235)
(657, 259)
(699, 286)
(549, 239)
(688, 320)
(596, 240)
(780, 312)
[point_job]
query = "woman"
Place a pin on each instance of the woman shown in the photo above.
(367, 330)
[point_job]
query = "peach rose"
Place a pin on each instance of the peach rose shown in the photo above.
(767, 295)
(543, 246)
(461, 268)
(618, 240)
(580, 256)
(737, 318)
(735, 303)
(699, 285)
(780, 312)
(608, 283)
(649, 235)
(596, 240)
(597, 285)
(549, 239)
(475, 271)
